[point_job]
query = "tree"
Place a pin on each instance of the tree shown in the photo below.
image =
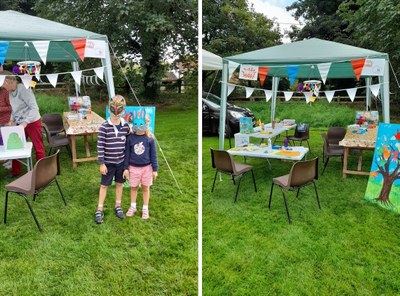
(232, 27)
(388, 166)
(136, 28)
(321, 19)
(374, 24)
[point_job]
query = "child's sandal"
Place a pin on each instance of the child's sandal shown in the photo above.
(119, 213)
(131, 211)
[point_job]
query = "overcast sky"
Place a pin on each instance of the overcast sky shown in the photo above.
(276, 9)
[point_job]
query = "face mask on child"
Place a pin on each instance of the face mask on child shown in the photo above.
(117, 105)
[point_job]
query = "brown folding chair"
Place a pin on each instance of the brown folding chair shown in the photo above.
(33, 182)
(301, 133)
(56, 140)
(335, 135)
(54, 123)
(223, 162)
(330, 149)
(302, 173)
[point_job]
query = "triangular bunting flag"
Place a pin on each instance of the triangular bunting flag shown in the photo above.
(324, 70)
(358, 65)
(79, 45)
(288, 95)
(375, 89)
(77, 76)
(231, 87)
(2, 77)
(52, 79)
(262, 73)
(329, 95)
(26, 80)
(3, 51)
(268, 94)
(249, 91)
(232, 67)
(99, 72)
(307, 95)
(42, 47)
(352, 93)
(292, 72)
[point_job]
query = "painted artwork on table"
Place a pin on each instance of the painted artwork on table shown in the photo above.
(383, 186)
(246, 125)
(142, 115)
(370, 118)
(13, 137)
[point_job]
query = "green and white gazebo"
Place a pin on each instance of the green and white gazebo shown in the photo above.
(307, 54)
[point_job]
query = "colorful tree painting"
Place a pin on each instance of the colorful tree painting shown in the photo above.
(383, 185)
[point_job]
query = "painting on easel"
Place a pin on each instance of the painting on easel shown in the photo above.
(383, 186)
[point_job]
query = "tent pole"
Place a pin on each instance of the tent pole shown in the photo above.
(222, 110)
(106, 63)
(75, 67)
(275, 83)
(385, 93)
(368, 93)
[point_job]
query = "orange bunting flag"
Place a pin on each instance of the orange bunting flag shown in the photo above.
(80, 45)
(358, 65)
(262, 73)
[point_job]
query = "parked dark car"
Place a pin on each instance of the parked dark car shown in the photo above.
(211, 108)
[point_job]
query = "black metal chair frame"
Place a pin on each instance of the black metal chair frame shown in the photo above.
(232, 174)
(36, 193)
(297, 194)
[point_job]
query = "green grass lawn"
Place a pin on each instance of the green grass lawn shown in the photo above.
(74, 256)
(349, 247)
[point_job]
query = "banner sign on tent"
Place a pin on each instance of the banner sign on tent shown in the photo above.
(95, 49)
(374, 67)
(383, 186)
(248, 72)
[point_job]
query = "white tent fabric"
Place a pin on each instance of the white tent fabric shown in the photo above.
(211, 61)
(20, 29)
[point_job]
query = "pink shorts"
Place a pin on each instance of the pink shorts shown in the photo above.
(141, 175)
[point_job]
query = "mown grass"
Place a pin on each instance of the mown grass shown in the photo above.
(74, 256)
(349, 247)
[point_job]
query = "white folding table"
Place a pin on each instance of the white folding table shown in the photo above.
(23, 155)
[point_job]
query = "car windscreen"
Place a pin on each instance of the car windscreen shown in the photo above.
(212, 98)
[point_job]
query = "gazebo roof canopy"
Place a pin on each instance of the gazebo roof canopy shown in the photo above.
(19, 28)
(307, 54)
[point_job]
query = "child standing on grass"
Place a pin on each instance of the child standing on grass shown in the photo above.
(141, 164)
(111, 142)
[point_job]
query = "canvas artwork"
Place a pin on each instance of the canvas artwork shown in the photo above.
(383, 186)
(78, 103)
(241, 140)
(246, 125)
(367, 117)
(141, 114)
(13, 137)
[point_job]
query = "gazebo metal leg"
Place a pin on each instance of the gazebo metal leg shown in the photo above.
(254, 181)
